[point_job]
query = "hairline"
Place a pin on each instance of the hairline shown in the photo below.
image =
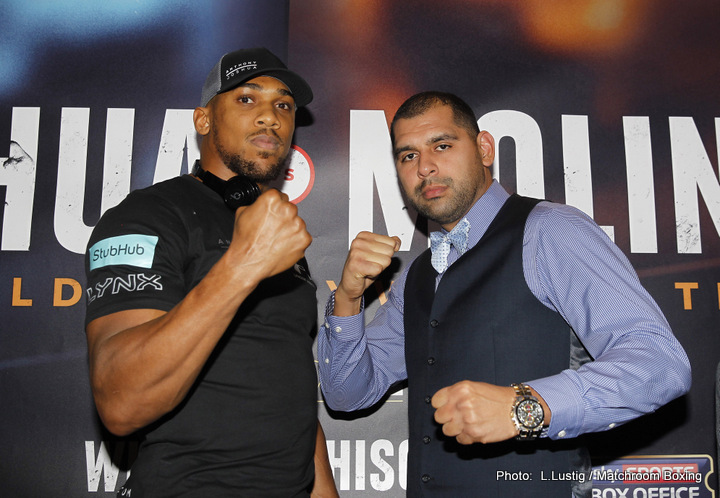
(421, 103)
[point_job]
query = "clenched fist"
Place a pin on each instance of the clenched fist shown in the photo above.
(475, 412)
(370, 254)
(269, 236)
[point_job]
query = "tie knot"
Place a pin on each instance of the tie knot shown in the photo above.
(440, 244)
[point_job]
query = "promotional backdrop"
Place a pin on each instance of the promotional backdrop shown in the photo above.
(607, 105)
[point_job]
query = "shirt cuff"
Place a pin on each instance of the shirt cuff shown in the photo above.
(344, 328)
(565, 403)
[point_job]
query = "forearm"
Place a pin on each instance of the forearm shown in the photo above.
(358, 364)
(634, 378)
(345, 368)
(143, 362)
(324, 484)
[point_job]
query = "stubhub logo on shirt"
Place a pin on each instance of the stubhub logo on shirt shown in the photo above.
(134, 250)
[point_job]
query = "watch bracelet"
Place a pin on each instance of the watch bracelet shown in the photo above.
(522, 391)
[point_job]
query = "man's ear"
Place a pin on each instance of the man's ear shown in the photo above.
(486, 146)
(201, 119)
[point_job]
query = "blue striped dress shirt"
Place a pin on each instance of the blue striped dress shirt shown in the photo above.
(573, 268)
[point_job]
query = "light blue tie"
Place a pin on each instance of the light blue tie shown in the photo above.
(440, 244)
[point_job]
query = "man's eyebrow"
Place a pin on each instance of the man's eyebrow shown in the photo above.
(400, 150)
(254, 86)
(430, 141)
(440, 138)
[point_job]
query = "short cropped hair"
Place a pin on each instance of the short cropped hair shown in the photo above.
(422, 102)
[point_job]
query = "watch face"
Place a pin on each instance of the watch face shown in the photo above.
(529, 413)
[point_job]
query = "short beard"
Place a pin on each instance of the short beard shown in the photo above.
(245, 167)
(464, 199)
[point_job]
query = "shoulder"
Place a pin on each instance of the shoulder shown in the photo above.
(562, 233)
(563, 223)
(554, 211)
(153, 209)
(175, 191)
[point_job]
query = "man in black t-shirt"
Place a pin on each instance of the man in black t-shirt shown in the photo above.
(200, 319)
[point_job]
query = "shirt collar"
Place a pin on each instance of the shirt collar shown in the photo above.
(484, 211)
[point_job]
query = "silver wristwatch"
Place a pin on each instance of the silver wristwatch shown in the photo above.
(527, 413)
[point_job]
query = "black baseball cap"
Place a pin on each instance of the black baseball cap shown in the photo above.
(237, 67)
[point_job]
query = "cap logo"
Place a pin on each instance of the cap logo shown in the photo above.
(239, 68)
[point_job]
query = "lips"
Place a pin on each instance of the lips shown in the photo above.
(434, 190)
(263, 141)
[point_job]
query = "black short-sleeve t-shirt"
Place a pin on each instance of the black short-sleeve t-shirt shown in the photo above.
(247, 427)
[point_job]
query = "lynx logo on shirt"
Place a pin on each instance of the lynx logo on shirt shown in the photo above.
(133, 250)
(129, 283)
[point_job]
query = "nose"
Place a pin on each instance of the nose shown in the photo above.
(267, 117)
(426, 167)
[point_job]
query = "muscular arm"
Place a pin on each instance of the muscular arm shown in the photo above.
(144, 361)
